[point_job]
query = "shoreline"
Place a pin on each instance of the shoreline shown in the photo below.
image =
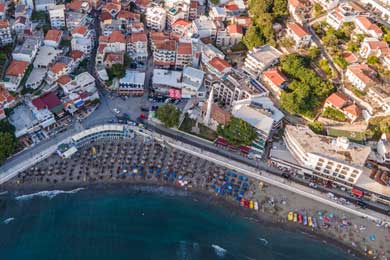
(258, 218)
(139, 161)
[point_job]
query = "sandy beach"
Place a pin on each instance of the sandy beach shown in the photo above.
(104, 164)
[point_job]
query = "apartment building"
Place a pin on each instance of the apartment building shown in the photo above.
(344, 13)
(164, 54)
(360, 75)
(300, 10)
(74, 19)
(331, 159)
(373, 47)
(183, 54)
(260, 59)
(53, 38)
(137, 46)
(46, 57)
(132, 83)
(5, 33)
(301, 37)
(156, 18)
(28, 50)
(192, 82)
(181, 27)
(57, 17)
(230, 36)
(366, 26)
(14, 74)
(235, 86)
(275, 80)
(179, 11)
(82, 39)
(205, 27)
(44, 5)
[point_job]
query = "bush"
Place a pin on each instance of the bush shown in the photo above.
(317, 127)
(237, 132)
(334, 114)
(168, 115)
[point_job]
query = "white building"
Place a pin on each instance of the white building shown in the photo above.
(360, 75)
(5, 33)
(74, 19)
(53, 38)
(132, 83)
(36, 78)
(231, 36)
(82, 39)
(327, 4)
(57, 17)
(164, 81)
(260, 113)
(137, 46)
(260, 59)
(373, 47)
(205, 27)
(46, 57)
(192, 83)
(156, 18)
(333, 159)
(383, 148)
(344, 13)
(28, 50)
(300, 36)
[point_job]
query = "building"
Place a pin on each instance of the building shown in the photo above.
(300, 10)
(368, 27)
(53, 38)
(341, 102)
(260, 113)
(373, 47)
(300, 36)
(57, 17)
(179, 11)
(28, 50)
(74, 19)
(115, 42)
(46, 57)
(383, 148)
(20, 24)
(156, 18)
(57, 70)
(36, 78)
(28, 119)
(213, 115)
(192, 83)
(164, 53)
(167, 82)
(235, 86)
(327, 4)
(2, 11)
(275, 80)
(82, 40)
(51, 102)
(344, 13)
(218, 67)
(112, 8)
(44, 5)
(14, 74)
(260, 59)
(331, 159)
(5, 33)
(229, 37)
(137, 46)
(181, 27)
(114, 58)
(183, 54)
(132, 83)
(205, 27)
(360, 75)
(6, 101)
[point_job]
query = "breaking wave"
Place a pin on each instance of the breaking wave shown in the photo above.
(8, 220)
(219, 250)
(46, 193)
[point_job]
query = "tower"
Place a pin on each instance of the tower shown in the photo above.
(209, 106)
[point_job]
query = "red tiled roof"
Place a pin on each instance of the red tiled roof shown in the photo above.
(138, 37)
(5, 96)
(4, 24)
(2, 8)
(49, 100)
(79, 30)
(363, 72)
(137, 25)
(115, 58)
(123, 14)
(53, 35)
(181, 22)
(111, 7)
(169, 45)
(379, 45)
(368, 25)
(353, 109)
(103, 38)
(117, 36)
(231, 7)
(142, 3)
(75, 5)
(184, 48)
(64, 79)
(275, 76)
(16, 68)
(234, 28)
(219, 64)
(158, 36)
(350, 57)
(58, 67)
(105, 16)
(297, 29)
(75, 54)
(337, 99)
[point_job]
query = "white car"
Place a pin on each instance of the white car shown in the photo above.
(116, 110)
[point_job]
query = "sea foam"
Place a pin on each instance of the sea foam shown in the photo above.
(8, 220)
(219, 250)
(47, 193)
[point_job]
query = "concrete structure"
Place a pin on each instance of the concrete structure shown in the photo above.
(300, 10)
(164, 81)
(132, 83)
(137, 46)
(192, 81)
(260, 113)
(300, 36)
(46, 57)
(82, 40)
(360, 75)
(230, 36)
(156, 18)
(373, 47)
(28, 50)
(57, 17)
(205, 27)
(53, 38)
(260, 59)
(5, 33)
(366, 26)
(36, 78)
(44, 5)
(344, 13)
(331, 159)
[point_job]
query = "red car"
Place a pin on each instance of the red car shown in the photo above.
(300, 218)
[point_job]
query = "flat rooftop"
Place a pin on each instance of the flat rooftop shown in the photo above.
(134, 77)
(329, 147)
(265, 54)
(167, 77)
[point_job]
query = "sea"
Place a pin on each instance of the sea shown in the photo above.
(142, 222)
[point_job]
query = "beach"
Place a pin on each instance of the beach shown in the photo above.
(107, 164)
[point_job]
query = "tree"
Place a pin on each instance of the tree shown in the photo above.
(317, 127)
(317, 9)
(314, 52)
(341, 61)
(253, 37)
(279, 9)
(168, 115)
(8, 145)
(324, 65)
(287, 42)
(116, 71)
(373, 60)
(237, 132)
(334, 114)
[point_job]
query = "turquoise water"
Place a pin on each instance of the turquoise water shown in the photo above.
(152, 224)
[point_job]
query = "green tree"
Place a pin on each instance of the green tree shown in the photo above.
(253, 37)
(168, 115)
(317, 9)
(237, 132)
(317, 127)
(324, 65)
(334, 114)
(373, 60)
(314, 52)
(8, 145)
(279, 9)
(341, 61)
(116, 71)
(352, 46)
